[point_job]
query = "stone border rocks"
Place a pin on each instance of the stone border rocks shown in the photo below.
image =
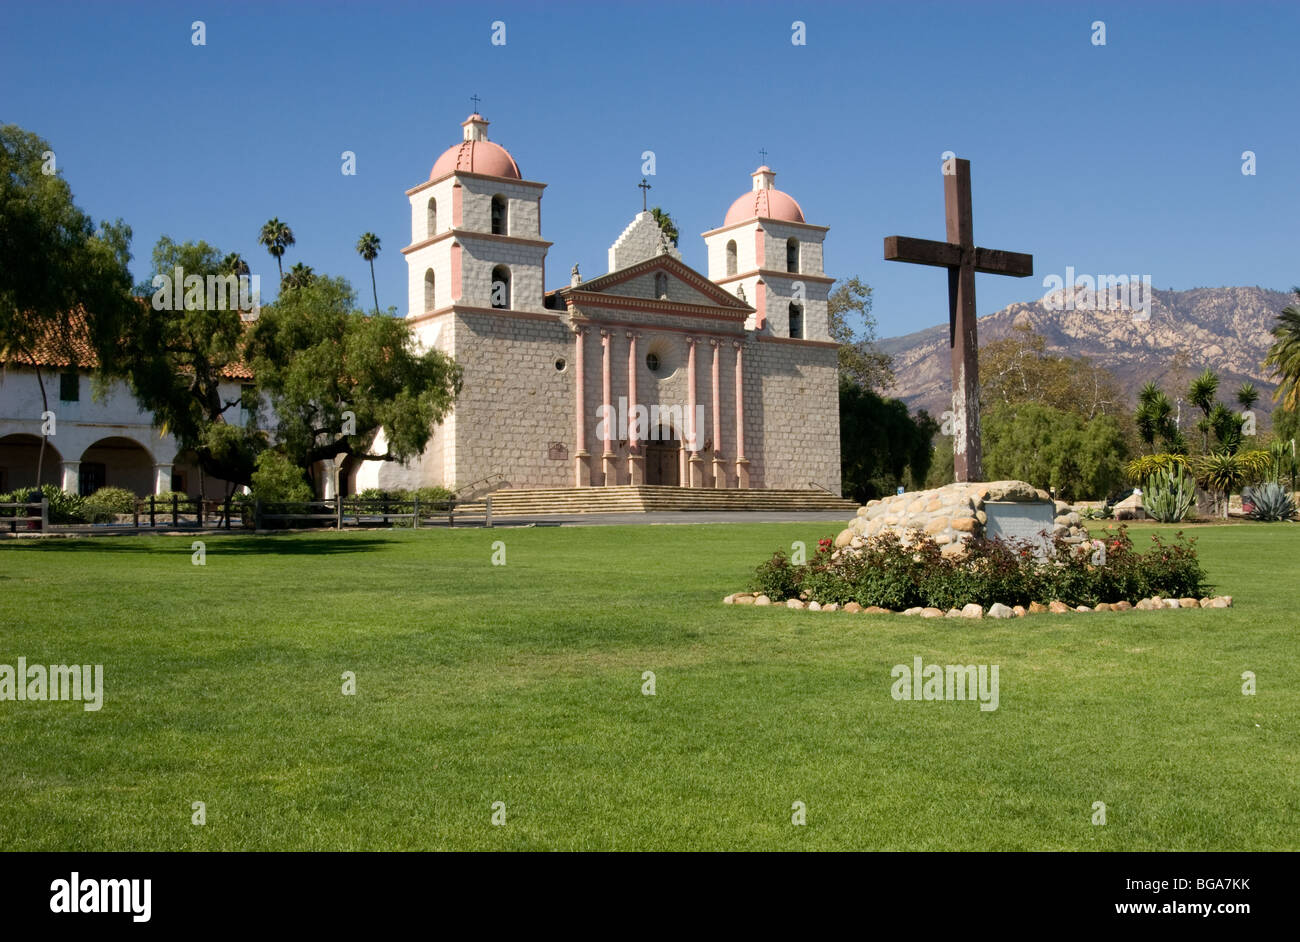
(996, 610)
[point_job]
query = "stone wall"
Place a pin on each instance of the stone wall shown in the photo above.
(951, 514)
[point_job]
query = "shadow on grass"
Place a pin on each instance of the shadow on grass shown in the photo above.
(248, 545)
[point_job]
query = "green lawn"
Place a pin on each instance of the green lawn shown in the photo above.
(523, 684)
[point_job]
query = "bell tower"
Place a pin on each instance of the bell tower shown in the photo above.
(768, 253)
(475, 231)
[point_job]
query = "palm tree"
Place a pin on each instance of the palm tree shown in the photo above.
(1154, 417)
(300, 276)
(1284, 355)
(1247, 396)
(368, 248)
(276, 236)
(1201, 394)
(234, 264)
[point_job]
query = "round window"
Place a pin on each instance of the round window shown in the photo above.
(652, 362)
(560, 364)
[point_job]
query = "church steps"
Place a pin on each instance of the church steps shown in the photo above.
(650, 498)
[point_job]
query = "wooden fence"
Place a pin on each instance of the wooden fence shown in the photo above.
(42, 518)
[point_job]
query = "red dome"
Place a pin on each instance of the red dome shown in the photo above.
(476, 156)
(764, 200)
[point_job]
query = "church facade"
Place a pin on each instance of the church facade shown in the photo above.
(652, 373)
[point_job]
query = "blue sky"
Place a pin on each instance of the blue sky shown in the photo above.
(1123, 158)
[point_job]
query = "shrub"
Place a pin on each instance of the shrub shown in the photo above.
(278, 479)
(887, 573)
(777, 578)
(63, 507)
(107, 502)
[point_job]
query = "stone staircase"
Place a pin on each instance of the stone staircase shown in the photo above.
(649, 498)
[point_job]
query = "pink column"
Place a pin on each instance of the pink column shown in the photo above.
(635, 460)
(582, 460)
(607, 457)
(695, 469)
(742, 463)
(719, 471)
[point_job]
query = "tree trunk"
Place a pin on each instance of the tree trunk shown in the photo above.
(372, 285)
(45, 407)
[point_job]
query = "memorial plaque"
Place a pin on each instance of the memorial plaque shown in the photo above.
(1021, 520)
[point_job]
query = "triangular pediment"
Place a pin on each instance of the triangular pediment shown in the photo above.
(684, 285)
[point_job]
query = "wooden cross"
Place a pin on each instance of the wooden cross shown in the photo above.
(475, 99)
(962, 259)
(644, 188)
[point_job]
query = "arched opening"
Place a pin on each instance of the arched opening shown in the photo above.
(662, 458)
(429, 296)
(19, 455)
(499, 220)
(348, 476)
(501, 287)
(731, 257)
(116, 462)
(792, 255)
(796, 320)
(661, 286)
(431, 224)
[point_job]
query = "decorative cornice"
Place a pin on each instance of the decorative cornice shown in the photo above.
(577, 298)
(473, 176)
(763, 219)
(608, 328)
(762, 273)
(797, 340)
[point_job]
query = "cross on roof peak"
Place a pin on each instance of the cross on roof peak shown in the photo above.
(645, 188)
(762, 156)
(475, 99)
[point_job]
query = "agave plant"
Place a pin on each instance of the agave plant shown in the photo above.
(1270, 502)
(1169, 493)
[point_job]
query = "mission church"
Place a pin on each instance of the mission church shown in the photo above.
(651, 373)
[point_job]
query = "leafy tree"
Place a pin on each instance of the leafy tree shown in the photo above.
(1018, 369)
(1284, 356)
(1247, 396)
(368, 248)
(317, 357)
(62, 280)
(182, 352)
(276, 236)
(860, 361)
(881, 445)
(1052, 448)
(666, 223)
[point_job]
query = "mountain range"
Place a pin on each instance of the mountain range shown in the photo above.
(1225, 329)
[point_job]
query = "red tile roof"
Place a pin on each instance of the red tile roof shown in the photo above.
(73, 349)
